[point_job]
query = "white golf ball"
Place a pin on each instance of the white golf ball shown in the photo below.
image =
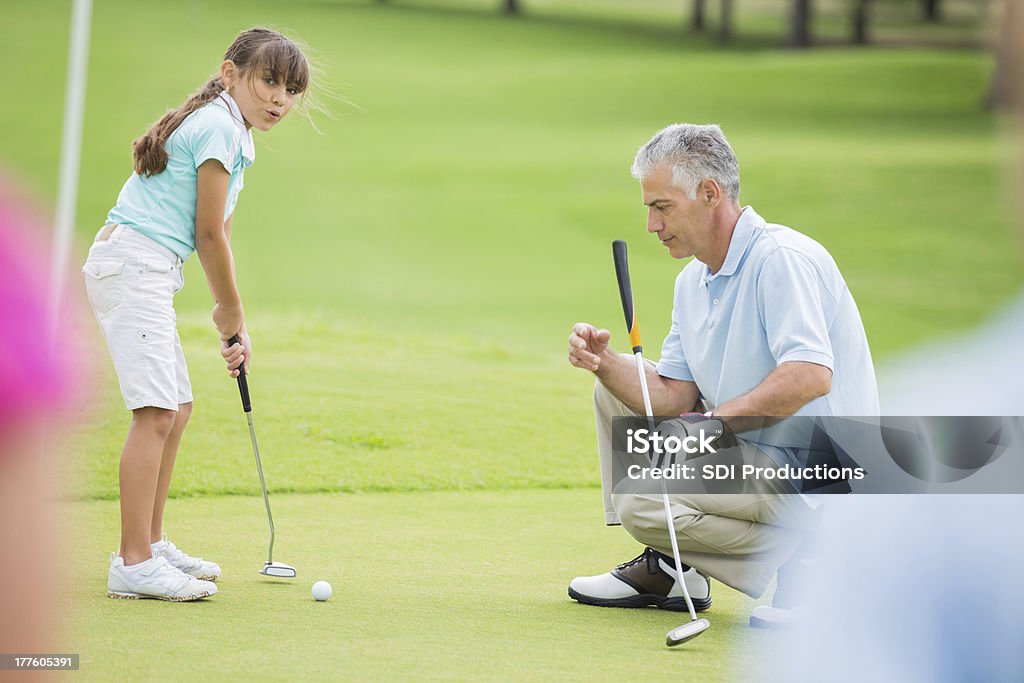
(322, 590)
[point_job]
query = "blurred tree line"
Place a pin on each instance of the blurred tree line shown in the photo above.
(856, 14)
(800, 15)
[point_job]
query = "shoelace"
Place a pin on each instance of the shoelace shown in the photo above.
(650, 555)
(178, 557)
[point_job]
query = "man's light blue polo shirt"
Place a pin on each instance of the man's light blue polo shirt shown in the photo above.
(778, 297)
(163, 206)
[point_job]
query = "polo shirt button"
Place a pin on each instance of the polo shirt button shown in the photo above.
(716, 301)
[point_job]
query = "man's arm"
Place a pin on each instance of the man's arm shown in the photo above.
(786, 389)
(792, 297)
(588, 349)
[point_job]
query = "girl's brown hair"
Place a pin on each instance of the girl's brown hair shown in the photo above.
(254, 52)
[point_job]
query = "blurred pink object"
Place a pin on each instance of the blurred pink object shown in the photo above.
(34, 380)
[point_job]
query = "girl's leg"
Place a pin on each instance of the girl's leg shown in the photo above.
(166, 469)
(140, 470)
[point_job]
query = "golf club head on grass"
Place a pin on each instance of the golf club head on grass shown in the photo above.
(681, 634)
(279, 570)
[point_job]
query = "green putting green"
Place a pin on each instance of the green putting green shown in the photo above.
(427, 586)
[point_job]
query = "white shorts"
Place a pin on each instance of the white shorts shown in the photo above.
(131, 282)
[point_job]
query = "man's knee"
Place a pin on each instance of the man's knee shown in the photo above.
(643, 517)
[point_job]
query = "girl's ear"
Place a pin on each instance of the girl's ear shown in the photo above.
(228, 73)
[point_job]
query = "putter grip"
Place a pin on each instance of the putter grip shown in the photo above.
(243, 385)
(626, 293)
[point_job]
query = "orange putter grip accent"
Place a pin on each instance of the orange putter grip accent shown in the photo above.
(634, 333)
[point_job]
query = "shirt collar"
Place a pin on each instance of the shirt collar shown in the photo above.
(248, 148)
(749, 223)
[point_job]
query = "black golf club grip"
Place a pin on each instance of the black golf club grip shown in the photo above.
(626, 293)
(243, 385)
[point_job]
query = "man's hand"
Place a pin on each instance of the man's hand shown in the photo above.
(228, 319)
(588, 349)
(236, 353)
(586, 344)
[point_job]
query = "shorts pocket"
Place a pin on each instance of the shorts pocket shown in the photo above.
(103, 284)
(165, 273)
(154, 266)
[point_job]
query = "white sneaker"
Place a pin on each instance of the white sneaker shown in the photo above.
(155, 578)
(193, 566)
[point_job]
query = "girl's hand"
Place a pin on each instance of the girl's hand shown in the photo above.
(236, 353)
(228, 319)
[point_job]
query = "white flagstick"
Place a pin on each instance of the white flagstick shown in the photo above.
(70, 157)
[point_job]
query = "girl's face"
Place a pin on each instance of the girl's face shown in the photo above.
(262, 99)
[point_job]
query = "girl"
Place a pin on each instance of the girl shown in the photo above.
(188, 173)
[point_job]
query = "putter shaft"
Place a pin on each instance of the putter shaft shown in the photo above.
(263, 485)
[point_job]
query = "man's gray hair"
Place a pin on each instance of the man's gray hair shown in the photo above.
(695, 153)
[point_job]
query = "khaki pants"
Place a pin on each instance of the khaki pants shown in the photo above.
(739, 539)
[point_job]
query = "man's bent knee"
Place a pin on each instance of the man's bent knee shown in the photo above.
(643, 517)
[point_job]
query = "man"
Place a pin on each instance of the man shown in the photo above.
(762, 325)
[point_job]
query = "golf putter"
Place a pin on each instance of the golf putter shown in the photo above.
(689, 631)
(271, 568)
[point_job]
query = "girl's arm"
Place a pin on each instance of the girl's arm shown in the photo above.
(236, 352)
(214, 250)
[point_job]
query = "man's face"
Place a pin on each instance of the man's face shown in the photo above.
(682, 224)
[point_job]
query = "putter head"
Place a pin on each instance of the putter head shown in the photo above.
(681, 634)
(279, 570)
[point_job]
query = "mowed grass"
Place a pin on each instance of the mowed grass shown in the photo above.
(366, 409)
(410, 277)
(427, 586)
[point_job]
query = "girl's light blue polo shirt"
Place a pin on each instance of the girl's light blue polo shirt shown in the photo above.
(163, 206)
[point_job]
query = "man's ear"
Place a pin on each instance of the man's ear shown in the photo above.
(710, 193)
